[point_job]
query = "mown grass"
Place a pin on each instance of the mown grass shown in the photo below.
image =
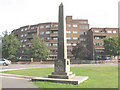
(99, 77)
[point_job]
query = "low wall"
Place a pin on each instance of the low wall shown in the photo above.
(77, 61)
(43, 62)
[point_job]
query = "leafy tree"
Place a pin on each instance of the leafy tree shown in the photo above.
(80, 52)
(39, 49)
(119, 46)
(111, 46)
(10, 46)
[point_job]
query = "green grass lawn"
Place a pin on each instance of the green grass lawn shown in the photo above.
(99, 77)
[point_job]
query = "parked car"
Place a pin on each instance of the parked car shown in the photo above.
(5, 62)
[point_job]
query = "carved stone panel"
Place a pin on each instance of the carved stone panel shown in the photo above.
(59, 66)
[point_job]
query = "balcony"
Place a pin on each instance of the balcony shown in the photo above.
(99, 47)
(29, 37)
(53, 47)
(99, 34)
(53, 34)
(54, 29)
(32, 31)
(53, 41)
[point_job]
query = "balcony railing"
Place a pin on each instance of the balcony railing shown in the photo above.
(54, 34)
(99, 34)
(53, 28)
(32, 31)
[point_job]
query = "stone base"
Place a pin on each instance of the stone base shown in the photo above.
(76, 80)
(62, 76)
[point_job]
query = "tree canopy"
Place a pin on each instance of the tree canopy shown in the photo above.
(39, 49)
(81, 52)
(119, 45)
(112, 46)
(10, 46)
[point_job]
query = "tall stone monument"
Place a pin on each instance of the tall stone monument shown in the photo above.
(62, 64)
(62, 72)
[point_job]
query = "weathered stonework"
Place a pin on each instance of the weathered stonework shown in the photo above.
(62, 70)
(62, 64)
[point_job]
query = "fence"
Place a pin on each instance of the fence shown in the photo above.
(77, 61)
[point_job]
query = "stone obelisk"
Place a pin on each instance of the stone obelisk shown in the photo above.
(62, 72)
(62, 64)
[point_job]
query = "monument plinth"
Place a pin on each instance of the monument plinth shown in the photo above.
(62, 71)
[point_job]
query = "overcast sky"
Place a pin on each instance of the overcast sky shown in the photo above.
(18, 13)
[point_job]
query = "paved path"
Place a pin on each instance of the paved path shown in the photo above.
(16, 81)
(12, 82)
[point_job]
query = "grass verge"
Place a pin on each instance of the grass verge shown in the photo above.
(99, 76)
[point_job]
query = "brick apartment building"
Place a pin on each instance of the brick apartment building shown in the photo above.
(96, 42)
(77, 31)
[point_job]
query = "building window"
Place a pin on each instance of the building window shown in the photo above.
(68, 51)
(82, 39)
(75, 25)
(54, 44)
(32, 27)
(22, 30)
(55, 38)
(47, 26)
(42, 38)
(25, 40)
(22, 35)
(100, 44)
(68, 25)
(96, 31)
(21, 40)
(26, 29)
(25, 34)
(75, 31)
(99, 50)
(68, 32)
(74, 44)
(41, 32)
(41, 26)
(32, 34)
(55, 25)
(68, 37)
(114, 31)
(48, 38)
(109, 31)
(96, 44)
(83, 27)
(85, 33)
(84, 22)
(47, 32)
(97, 37)
(81, 33)
(23, 45)
(84, 45)
(68, 44)
(55, 32)
(75, 38)
(47, 43)
(53, 50)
